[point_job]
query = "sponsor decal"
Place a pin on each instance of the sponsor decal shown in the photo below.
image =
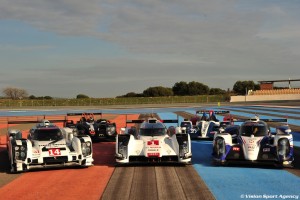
(236, 148)
(153, 154)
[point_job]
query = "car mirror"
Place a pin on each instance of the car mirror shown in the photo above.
(171, 131)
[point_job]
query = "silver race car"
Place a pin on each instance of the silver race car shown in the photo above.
(153, 142)
(47, 145)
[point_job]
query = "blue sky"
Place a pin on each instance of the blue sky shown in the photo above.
(107, 48)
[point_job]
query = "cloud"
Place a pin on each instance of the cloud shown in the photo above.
(66, 17)
(24, 48)
(215, 42)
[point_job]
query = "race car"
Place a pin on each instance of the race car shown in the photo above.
(202, 127)
(253, 142)
(100, 129)
(152, 142)
(47, 145)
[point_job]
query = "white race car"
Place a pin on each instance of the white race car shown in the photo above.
(47, 145)
(204, 127)
(253, 142)
(152, 142)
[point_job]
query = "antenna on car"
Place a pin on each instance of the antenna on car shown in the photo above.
(287, 117)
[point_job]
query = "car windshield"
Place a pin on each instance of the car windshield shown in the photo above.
(47, 134)
(254, 129)
(185, 124)
(152, 131)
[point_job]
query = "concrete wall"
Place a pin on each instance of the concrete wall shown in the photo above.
(265, 97)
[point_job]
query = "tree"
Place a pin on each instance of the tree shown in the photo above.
(32, 97)
(15, 93)
(82, 96)
(180, 88)
(196, 88)
(157, 91)
(216, 91)
(47, 97)
(131, 94)
(240, 87)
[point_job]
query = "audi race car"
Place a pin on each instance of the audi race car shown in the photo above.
(100, 129)
(253, 142)
(47, 145)
(152, 142)
(202, 127)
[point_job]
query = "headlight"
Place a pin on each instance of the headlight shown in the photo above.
(86, 148)
(283, 142)
(220, 146)
(20, 152)
(23, 155)
(283, 147)
(111, 130)
(183, 149)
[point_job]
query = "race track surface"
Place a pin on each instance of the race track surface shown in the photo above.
(201, 180)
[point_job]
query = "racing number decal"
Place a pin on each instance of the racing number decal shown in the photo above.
(54, 152)
(193, 130)
(153, 142)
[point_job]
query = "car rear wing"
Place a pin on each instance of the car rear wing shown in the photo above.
(84, 114)
(216, 112)
(265, 120)
(33, 121)
(138, 121)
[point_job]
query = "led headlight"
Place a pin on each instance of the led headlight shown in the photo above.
(23, 155)
(111, 130)
(220, 146)
(283, 147)
(86, 148)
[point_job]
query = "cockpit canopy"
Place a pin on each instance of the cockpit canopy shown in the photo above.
(257, 129)
(47, 134)
(152, 127)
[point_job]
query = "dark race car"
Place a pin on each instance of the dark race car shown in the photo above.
(97, 129)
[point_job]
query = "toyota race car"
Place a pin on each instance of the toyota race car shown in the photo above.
(252, 142)
(47, 145)
(100, 129)
(204, 127)
(152, 142)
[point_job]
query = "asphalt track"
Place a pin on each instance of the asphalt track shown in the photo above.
(201, 180)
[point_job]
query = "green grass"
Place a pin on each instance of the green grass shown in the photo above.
(8, 103)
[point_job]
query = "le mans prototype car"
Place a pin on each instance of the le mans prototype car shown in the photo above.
(253, 142)
(47, 145)
(202, 127)
(153, 142)
(100, 129)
